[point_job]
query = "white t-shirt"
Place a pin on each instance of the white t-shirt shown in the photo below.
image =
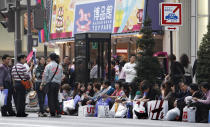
(28, 68)
(130, 72)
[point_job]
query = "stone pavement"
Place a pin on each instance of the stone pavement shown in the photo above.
(73, 121)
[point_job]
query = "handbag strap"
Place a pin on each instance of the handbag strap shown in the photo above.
(18, 73)
(54, 73)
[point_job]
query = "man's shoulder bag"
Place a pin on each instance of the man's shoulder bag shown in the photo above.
(26, 83)
(46, 87)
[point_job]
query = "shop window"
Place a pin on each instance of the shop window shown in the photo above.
(202, 28)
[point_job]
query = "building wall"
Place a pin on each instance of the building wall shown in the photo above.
(184, 40)
(190, 34)
(7, 42)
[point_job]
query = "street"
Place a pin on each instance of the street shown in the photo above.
(73, 121)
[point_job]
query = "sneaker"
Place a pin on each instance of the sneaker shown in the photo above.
(42, 114)
(58, 116)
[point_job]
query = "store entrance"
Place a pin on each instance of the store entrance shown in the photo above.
(92, 57)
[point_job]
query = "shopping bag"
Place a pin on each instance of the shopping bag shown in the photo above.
(121, 111)
(68, 105)
(103, 111)
(33, 99)
(157, 109)
(139, 110)
(86, 111)
(80, 111)
(185, 115)
(60, 97)
(3, 97)
(102, 101)
(113, 110)
(172, 114)
(191, 114)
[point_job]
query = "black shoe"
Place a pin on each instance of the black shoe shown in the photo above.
(12, 114)
(4, 114)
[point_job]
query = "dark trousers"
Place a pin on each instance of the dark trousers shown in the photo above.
(8, 107)
(41, 96)
(20, 93)
(53, 102)
(202, 112)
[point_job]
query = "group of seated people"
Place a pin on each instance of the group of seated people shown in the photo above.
(178, 96)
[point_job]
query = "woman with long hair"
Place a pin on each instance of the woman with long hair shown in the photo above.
(184, 60)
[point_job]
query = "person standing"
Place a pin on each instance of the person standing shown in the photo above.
(176, 72)
(6, 83)
(66, 63)
(52, 78)
(184, 60)
(129, 69)
(19, 72)
(38, 72)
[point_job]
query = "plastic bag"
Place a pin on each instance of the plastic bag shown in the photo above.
(121, 111)
(3, 97)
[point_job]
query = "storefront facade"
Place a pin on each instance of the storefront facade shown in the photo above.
(124, 22)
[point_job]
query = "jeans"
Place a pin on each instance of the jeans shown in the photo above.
(53, 102)
(41, 96)
(20, 98)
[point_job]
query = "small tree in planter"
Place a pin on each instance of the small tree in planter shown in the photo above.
(203, 62)
(148, 67)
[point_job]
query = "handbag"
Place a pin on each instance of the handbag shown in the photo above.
(26, 83)
(46, 86)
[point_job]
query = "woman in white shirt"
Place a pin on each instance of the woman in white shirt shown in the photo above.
(184, 60)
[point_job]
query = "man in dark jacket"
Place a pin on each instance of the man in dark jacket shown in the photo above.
(177, 71)
(6, 83)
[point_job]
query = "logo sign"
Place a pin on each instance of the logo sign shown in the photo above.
(171, 14)
(94, 17)
(172, 28)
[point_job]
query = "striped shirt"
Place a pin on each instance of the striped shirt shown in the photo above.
(22, 71)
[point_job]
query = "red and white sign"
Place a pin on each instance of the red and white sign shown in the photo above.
(171, 14)
(172, 28)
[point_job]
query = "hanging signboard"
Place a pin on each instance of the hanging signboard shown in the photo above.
(171, 14)
(94, 17)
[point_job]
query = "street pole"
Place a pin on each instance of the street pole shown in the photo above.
(29, 35)
(171, 42)
(18, 41)
(45, 51)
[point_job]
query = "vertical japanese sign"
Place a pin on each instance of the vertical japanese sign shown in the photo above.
(94, 17)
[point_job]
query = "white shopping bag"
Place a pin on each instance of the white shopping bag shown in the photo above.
(2, 98)
(185, 114)
(86, 111)
(157, 109)
(172, 114)
(189, 114)
(121, 111)
(113, 110)
(68, 105)
(103, 111)
(60, 97)
(138, 107)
